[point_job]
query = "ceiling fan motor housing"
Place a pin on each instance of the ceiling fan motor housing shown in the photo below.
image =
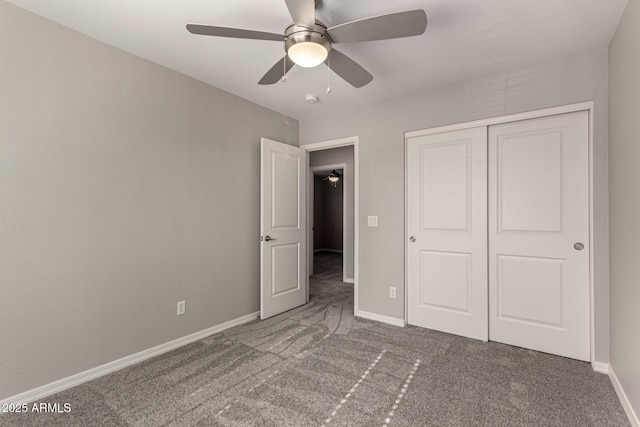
(296, 34)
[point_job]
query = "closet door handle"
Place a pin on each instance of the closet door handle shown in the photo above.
(412, 239)
(578, 246)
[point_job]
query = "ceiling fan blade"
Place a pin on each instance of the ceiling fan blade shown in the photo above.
(395, 25)
(208, 30)
(276, 72)
(303, 12)
(348, 69)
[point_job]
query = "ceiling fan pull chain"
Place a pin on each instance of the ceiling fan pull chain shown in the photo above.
(328, 90)
(284, 68)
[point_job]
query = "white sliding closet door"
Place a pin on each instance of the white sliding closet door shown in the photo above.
(447, 231)
(539, 234)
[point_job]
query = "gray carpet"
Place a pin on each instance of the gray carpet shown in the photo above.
(319, 366)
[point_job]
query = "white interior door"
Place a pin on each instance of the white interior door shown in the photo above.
(282, 228)
(539, 234)
(447, 232)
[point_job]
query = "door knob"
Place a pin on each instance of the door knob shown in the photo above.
(268, 238)
(412, 239)
(578, 246)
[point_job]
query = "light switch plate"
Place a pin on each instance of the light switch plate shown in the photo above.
(372, 220)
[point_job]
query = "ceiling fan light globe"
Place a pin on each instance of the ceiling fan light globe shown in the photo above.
(308, 54)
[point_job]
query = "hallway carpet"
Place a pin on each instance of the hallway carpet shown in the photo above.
(318, 365)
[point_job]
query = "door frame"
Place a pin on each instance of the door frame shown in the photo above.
(570, 108)
(311, 217)
(336, 143)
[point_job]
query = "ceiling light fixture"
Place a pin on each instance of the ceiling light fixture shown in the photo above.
(307, 47)
(333, 178)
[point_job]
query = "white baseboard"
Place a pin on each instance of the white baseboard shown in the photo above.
(628, 409)
(380, 318)
(600, 367)
(348, 280)
(82, 377)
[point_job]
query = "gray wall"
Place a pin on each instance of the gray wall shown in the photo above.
(327, 213)
(381, 130)
(124, 188)
(334, 156)
(624, 154)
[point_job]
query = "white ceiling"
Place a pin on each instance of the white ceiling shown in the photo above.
(464, 38)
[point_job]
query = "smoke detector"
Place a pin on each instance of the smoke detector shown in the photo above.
(311, 99)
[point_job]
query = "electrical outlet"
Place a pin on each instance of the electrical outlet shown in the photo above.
(182, 307)
(372, 221)
(392, 292)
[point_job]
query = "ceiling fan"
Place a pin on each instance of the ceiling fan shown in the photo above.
(333, 178)
(309, 43)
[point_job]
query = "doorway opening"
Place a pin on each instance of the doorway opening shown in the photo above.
(329, 231)
(333, 220)
(329, 220)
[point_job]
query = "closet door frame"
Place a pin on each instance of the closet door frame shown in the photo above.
(582, 106)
